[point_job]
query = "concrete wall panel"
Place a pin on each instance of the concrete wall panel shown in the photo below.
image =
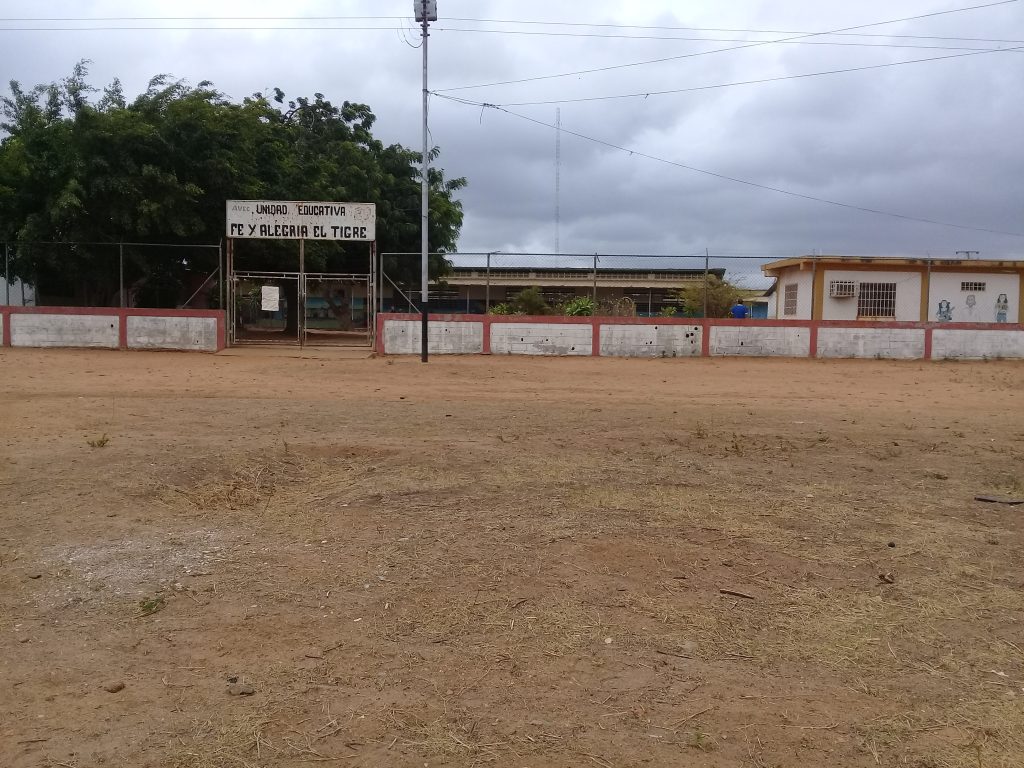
(951, 344)
(890, 343)
(650, 340)
(755, 341)
(58, 330)
(541, 339)
(404, 337)
(185, 333)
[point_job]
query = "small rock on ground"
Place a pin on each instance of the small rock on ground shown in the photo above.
(113, 687)
(241, 689)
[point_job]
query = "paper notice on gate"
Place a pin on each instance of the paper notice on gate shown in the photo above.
(271, 298)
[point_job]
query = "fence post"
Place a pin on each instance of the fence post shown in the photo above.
(595, 283)
(300, 293)
(707, 258)
(220, 273)
(7, 275)
(487, 290)
(120, 270)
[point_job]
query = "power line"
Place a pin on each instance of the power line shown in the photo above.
(221, 28)
(724, 50)
(734, 179)
(331, 28)
(597, 25)
(206, 18)
(645, 94)
(726, 29)
(718, 39)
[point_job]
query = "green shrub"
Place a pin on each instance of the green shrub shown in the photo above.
(579, 306)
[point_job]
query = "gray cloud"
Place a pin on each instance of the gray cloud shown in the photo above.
(936, 140)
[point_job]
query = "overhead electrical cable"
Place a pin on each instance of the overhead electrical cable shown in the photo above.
(646, 94)
(438, 29)
(726, 177)
(597, 25)
(680, 57)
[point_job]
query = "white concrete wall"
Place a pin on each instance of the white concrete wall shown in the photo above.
(650, 340)
(974, 306)
(751, 340)
(185, 333)
(44, 330)
(404, 337)
(804, 280)
(541, 339)
(908, 293)
(951, 344)
(891, 343)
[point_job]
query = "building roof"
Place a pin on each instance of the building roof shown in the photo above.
(889, 262)
(581, 261)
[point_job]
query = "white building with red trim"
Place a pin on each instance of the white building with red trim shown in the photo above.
(872, 289)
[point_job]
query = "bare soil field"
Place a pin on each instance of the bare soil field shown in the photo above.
(292, 559)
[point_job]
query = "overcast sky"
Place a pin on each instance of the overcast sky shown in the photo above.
(935, 140)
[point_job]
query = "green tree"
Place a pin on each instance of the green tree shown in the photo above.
(158, 169)
(721, 295)
(529, 301)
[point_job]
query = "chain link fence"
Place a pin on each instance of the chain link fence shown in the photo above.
(640, 285)
(143, 275)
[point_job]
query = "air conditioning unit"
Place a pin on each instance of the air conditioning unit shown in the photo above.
(842, 289)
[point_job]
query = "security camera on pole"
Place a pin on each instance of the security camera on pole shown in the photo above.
(426, 12)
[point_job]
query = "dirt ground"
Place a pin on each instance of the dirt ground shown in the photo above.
(294, 559)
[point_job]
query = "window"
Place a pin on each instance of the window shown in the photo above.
(876, 300)
(972, 287)
(789, 305)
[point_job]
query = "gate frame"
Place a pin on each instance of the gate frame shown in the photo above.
(301, 278)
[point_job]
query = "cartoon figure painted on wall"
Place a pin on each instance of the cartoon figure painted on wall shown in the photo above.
(945, 312)
(971, 303)
(1002, 308)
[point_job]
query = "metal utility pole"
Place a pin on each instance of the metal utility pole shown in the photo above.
(595, 282)
(426, 12)
(487, 288)
(558, 179)
(7, 275)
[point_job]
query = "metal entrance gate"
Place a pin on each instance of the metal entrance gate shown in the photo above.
(301, 308)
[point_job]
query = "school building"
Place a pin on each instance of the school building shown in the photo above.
(897, 289)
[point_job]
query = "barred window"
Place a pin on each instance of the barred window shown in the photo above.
(876, 300)
(789, 306)
(972, 287)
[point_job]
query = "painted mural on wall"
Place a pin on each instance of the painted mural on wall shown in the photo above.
(1002, 308)
(974, 313)
(971, 303)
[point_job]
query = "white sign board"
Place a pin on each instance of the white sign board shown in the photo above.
(270, 298)
(291, 220)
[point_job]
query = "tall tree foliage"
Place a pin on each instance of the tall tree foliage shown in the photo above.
(719, 294)
(89, 167)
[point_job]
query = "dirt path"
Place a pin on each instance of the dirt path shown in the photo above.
(508, 561)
